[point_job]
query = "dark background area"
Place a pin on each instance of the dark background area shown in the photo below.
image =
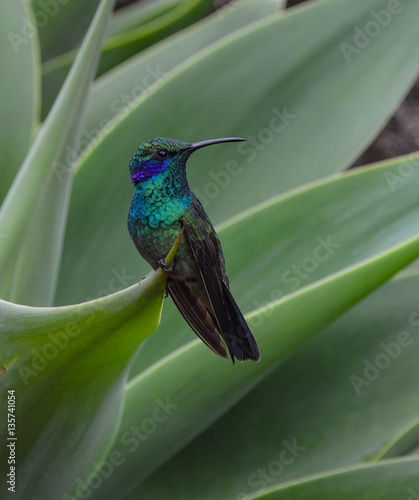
(399, 136)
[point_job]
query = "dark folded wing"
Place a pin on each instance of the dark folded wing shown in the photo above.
(195, 312)
(226, 315)
(206, 253)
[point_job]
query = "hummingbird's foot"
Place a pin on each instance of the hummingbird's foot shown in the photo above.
(142, 279)
(165, 267)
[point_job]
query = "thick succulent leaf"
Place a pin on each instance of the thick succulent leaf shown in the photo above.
(353, 232)
(406, 440)
(346, 397)
(68, 368)
(34, 213)
(58, 57)
(118, 90)
(122, 46)
(327, 106)
(392, 479)
(19, 102)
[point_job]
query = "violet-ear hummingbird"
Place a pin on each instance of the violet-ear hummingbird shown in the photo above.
(162, 205)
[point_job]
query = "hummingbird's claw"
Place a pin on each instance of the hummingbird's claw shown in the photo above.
(165, 267)
(142, 279)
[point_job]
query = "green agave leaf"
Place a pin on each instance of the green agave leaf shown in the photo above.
(372, 232)
(119, 47)
(19, 103)
(34, 213)
(53, 19)
(67, 367)
(311, 82)
(347, 396)
(125, 45)
(116, 91)
(393, 479)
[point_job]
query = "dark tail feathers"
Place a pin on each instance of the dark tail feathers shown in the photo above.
(239, 339)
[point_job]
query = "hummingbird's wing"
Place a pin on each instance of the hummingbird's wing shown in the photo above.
(193, 296)
(222, 317)
(195, 312)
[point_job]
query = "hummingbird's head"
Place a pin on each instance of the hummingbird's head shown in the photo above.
(158, 154)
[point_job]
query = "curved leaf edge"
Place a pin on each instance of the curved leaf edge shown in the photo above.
(168, 19)
(266, 494)
(405, 440)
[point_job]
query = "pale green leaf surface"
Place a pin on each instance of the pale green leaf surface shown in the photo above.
(320, 400)
(377, 233)
(68, 367)
(395, 479)
(334, 115)
(20, 101)
(34, 213)
(119, 89)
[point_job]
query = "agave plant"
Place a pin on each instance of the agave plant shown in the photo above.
(106, 395)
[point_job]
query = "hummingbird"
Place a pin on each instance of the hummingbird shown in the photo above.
(162, 206)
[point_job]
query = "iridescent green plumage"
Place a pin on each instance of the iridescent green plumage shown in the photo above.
(162, 205)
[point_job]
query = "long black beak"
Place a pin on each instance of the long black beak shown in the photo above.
(203, 144)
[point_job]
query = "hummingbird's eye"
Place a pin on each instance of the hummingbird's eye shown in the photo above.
(162, 154)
